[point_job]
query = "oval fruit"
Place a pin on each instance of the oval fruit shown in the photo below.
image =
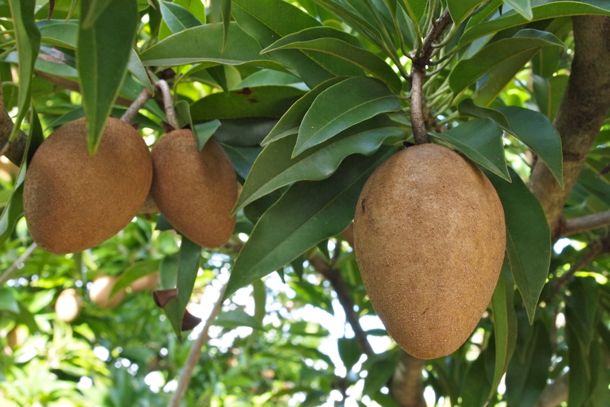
(145, 283)
(195, 190)
(100, 290)
(68, 305)
(429, 240)
(74, 201)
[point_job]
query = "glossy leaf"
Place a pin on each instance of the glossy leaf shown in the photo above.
(177, 17)
(537, 131)
(461, 9)
(523, 7)
(204, 44)
(361, 57)
(266, 102)
(138, 70)
(289, 122)
(541, 11)
(204, 131)
(505, 325)
(341, 106)
(481, 141)
(268, 77)
(27, 37)
(59, 33)
(236, 318)
(468, 107)
(528, 239)
(274, 168)
(494, 54)
(305, 215)
(549, 92)
(102, 56)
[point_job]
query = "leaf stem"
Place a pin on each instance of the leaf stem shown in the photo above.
(168, 103)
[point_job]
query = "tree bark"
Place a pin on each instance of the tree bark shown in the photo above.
(407, 387)
(580, 115)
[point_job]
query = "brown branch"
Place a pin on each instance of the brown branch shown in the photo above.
(168, 103)
(594, 250)
(581, 114)
(584, 223)
(338, 284)
(18, 264)
(407, 387)
(202, 339)
(421, 60)
(137, 104)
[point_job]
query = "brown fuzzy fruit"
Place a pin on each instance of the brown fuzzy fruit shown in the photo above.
(429, 239)
(68, 305)
(74, 201)
(100, 290)
(195, 190)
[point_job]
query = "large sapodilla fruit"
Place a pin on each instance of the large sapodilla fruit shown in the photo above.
(195, 190)
(74, 201)
(429, 239)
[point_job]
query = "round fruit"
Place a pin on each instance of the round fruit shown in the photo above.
(145, 283)
(100, 289)
(195, 190)
(68, 305)
(429, 239)
(74, 201)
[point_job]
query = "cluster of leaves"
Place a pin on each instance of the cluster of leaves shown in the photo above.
(308, 98)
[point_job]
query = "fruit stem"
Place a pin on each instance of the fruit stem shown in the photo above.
(135, 106)
(168, 104)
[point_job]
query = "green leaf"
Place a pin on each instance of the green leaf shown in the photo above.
(529, 368)
(349, 351)
(460, 10)
(236, 318)
(415, 9)
(102, 56)
(204, 44)
(289, 122)
(264, 102)
(542, 11)
(27, 37)
(138, 70)
(494, 54)
(523, 7)
(536, 130)
(137, 270)
(59, 33)
(492, 83)
(244, 132)
(505, 325)
(468, 107)
(186, 272)
(204, 131)
(195, 7)
(306, 214)
(274, 168)
(226, 19)
(481, 141)
(8, 302)
(361, 57)
(528, 239)
(341, 106)
(242, 158)
(268, 77)
(177, 17)
(549, 92)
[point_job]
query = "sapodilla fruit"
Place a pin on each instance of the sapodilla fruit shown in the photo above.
(73, 200)
(68, 305)
(100, 292)
(429, 240)
(145, 283)
(195, 190)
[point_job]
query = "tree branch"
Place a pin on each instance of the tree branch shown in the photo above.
(581, 114)
(168, 104)
(582, 224)
(336, 281)
(407, 388)
(17, 264)
(202, 339)
(137, 104)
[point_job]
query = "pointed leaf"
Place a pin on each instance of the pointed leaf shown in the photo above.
(537, 131)
(523, 7)
(102, 56)
(204, 44)
(361, 57)
(289, 122)
(528, 240)
(27, 37)
(481, 141)
(461, 9)
(341, 106)
(274, 168)
(467, 71)
(306, 214)
(177, 17)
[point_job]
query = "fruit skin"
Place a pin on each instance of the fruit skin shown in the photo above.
(195, 190)
(74, 201)
(100, 289)
(429, 239)
(68, 305)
